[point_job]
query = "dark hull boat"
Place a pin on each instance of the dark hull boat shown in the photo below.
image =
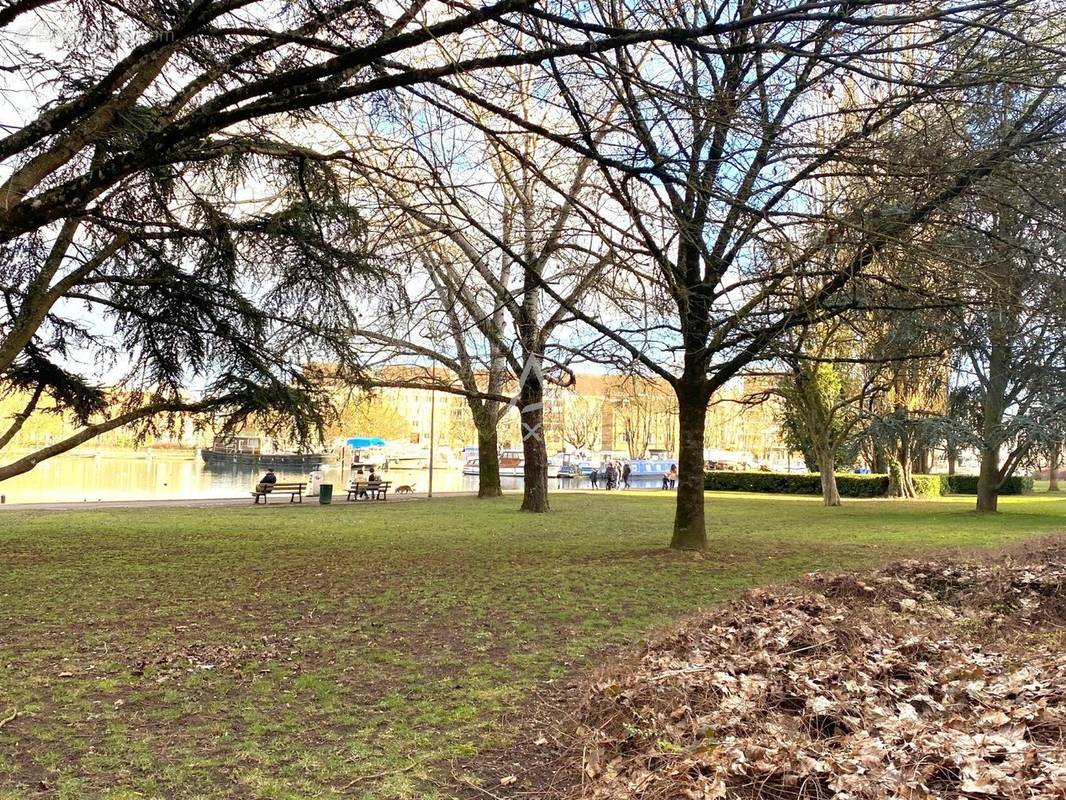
(214, 457)
(248, 451)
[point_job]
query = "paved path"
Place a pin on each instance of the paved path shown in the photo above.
(209, 502)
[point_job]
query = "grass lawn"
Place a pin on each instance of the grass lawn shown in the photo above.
(339, 651)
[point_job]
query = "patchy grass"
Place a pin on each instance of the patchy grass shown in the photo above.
(340, 651)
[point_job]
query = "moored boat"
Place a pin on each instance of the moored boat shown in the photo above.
(249, 450)
(649, 467)
(512, 464)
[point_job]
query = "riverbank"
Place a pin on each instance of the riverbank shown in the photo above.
(282, 501)
(79, 479)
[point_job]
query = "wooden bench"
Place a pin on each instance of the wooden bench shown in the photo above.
(369, 490)
(294, 490)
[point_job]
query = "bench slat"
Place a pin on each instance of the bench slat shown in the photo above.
(379, 489)
(292, 488)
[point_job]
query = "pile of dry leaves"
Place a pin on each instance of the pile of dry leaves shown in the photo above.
(923, 680)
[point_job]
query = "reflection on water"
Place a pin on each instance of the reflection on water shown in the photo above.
(89, 478)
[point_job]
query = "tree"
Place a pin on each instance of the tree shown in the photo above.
(366, 412)
(1011, 252)
(209, 79)
(493, 217)
(117, 101)
(902, 432)
(822, 412)
(643, 405)
(582, 422)
(185, 284)
(713, 155)
(436, 326)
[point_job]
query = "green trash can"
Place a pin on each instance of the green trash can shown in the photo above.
(325, 494)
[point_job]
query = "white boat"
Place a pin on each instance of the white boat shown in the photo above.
(512, 465)
(571, 464)
(417, 457)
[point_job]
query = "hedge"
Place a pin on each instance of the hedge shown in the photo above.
(967, 484)
(930, 485)
(850, 484)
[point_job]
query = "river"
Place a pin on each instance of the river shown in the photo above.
(92, 477)
(88, 477)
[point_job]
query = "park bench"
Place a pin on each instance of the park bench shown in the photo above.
(293, 490)
(369, 490)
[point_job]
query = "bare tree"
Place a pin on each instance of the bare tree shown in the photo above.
(113, 101)
(493, 218)
(716, 153)
(645, 407)
(583, 422)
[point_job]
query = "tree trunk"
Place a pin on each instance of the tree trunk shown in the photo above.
(534, 447)
(908, 480)
(906, 462)
(1002, 324)
(1053, 470)
(827, 470)
(988, 480)
(953, 458)
(880, 465)
(899, 479)
(488, 458)
(923, 462)
(690, 532)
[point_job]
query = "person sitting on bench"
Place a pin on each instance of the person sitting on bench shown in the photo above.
(372, 479)
(266, 483)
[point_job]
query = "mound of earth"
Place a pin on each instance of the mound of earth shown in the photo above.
(921, 680)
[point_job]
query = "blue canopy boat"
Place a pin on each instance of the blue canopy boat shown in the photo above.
(363, 457)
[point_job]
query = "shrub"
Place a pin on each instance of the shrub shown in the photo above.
(849, 485)
(967, 484)
(930, 485)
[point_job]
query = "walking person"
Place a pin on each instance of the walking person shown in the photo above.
(594, 478)
(612, 476)
(626, 472)
(671, 476)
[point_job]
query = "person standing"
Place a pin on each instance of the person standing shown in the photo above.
(626, 472)
(671, 476)
(594, 478)
(611, 475)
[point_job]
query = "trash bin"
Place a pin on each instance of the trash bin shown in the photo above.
(325, 494)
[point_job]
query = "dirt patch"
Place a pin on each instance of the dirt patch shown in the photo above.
(925, 679)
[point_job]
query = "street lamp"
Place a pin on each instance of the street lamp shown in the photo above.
(432, 425)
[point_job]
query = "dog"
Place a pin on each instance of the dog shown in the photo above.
(405, 489)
